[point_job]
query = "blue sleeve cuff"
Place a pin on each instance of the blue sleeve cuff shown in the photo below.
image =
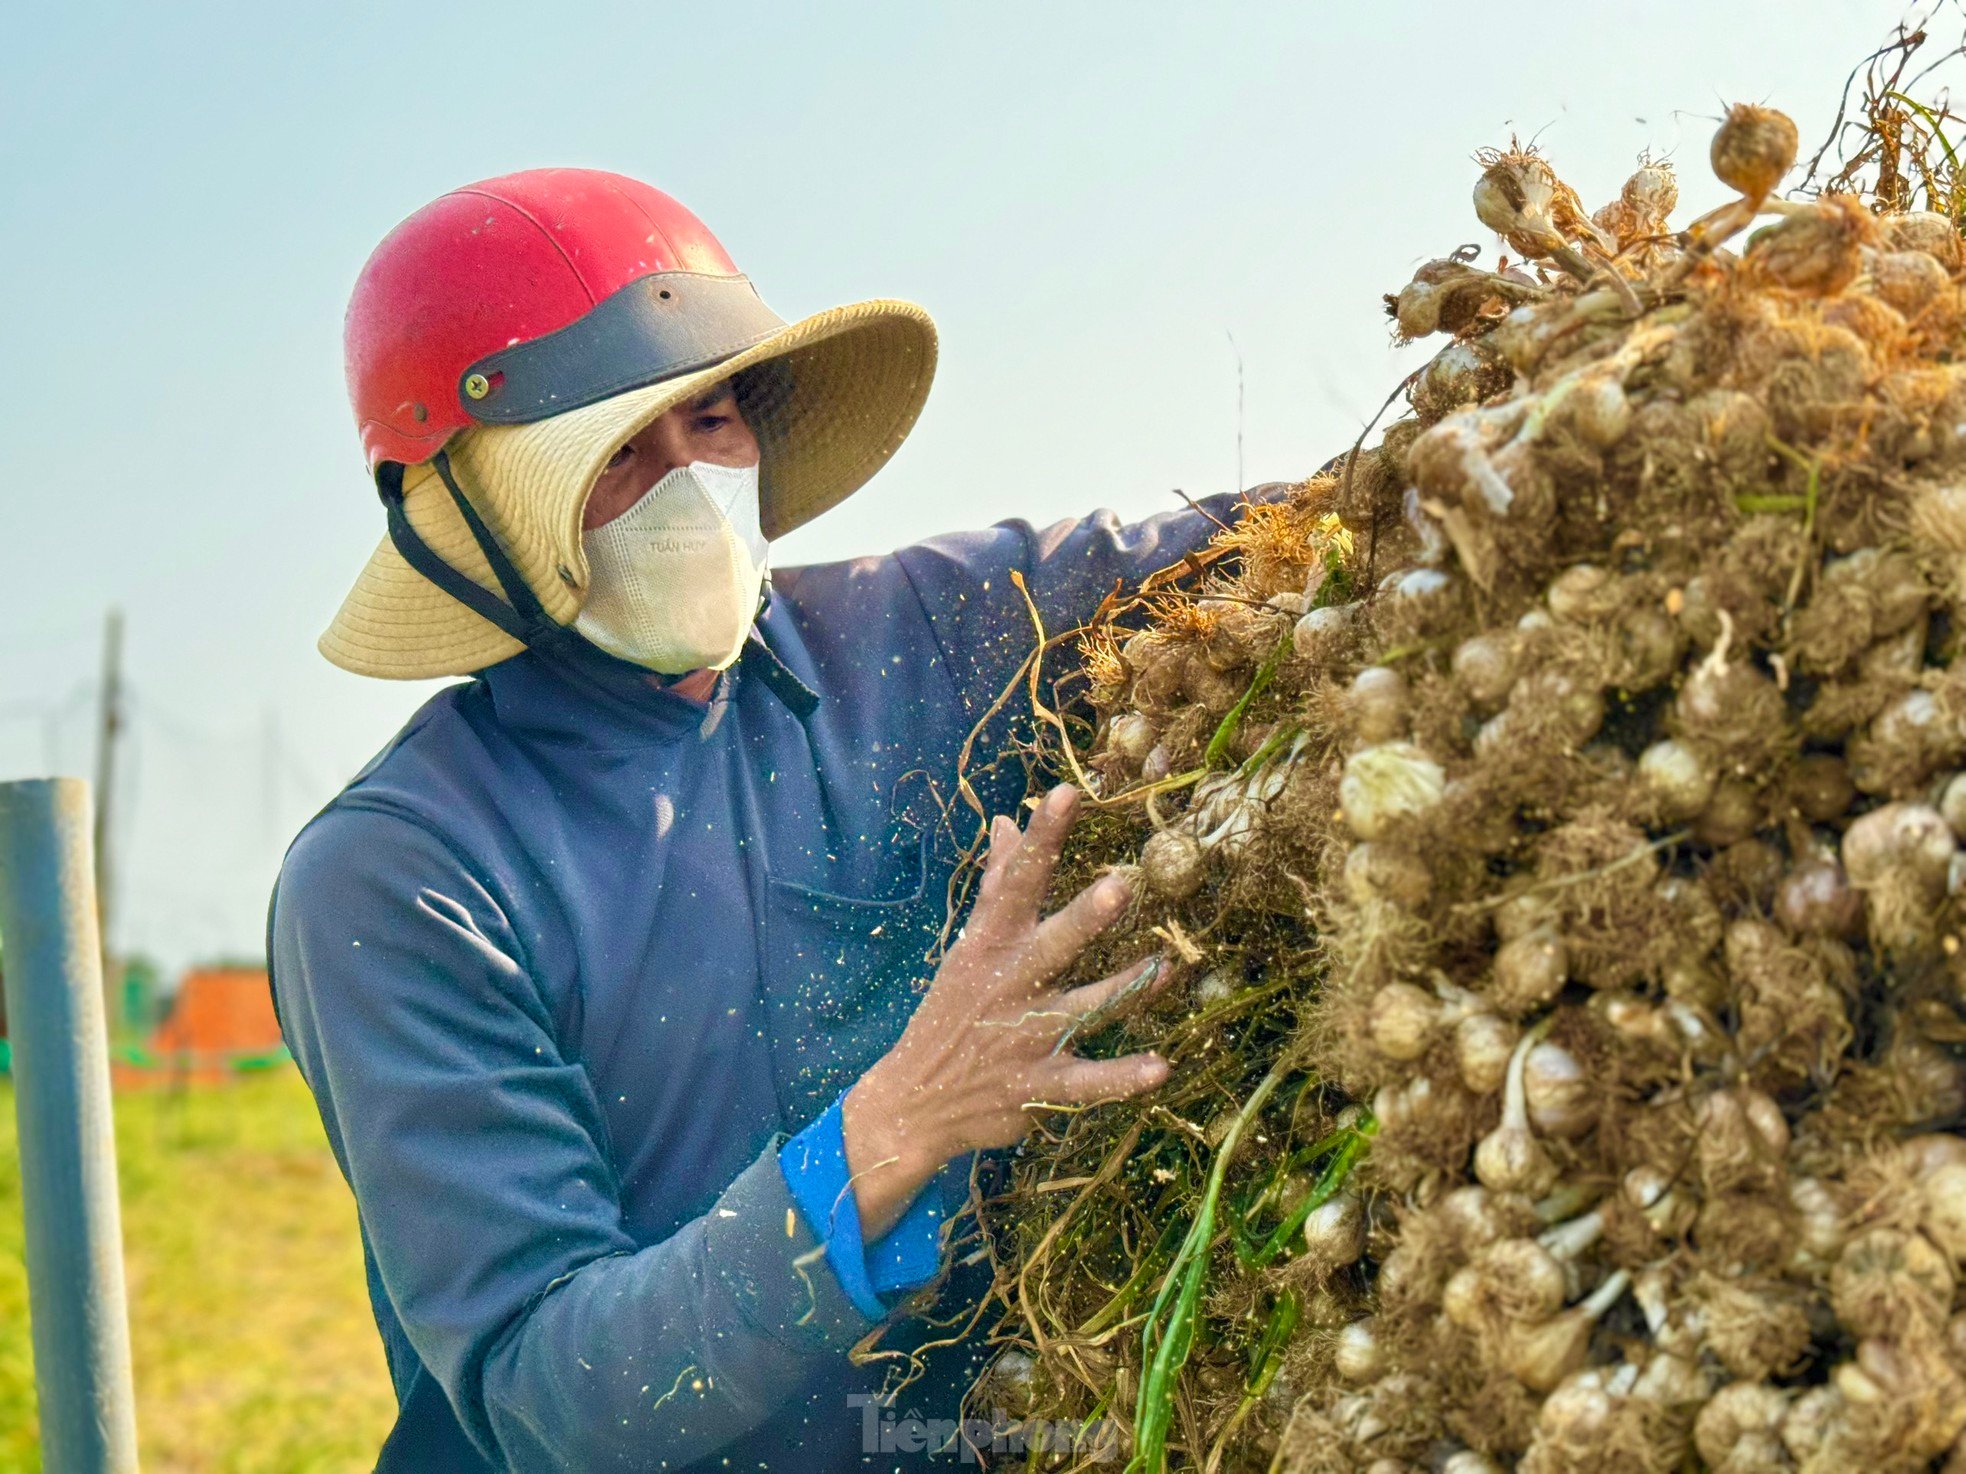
(903, 1258)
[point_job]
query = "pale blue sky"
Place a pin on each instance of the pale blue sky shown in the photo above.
(1091, 198)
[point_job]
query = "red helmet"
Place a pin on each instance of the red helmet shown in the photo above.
(526, 297)
(522, 296)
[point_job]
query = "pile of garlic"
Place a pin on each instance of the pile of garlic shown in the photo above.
(1618, 786)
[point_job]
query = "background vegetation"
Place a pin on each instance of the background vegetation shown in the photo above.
(250, 1324)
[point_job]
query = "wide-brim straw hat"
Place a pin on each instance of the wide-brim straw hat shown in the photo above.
(830, 398)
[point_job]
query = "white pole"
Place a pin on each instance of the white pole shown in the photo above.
(56, 1024)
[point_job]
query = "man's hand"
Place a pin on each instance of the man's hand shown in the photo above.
(982, 1049)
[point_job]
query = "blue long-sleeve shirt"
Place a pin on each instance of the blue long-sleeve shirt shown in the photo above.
(567, 962)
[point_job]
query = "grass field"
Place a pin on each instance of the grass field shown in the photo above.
(249, 1323)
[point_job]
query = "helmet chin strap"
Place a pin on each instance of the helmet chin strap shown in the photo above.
(524, 618)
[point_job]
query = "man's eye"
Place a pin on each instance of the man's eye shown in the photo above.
(705, 424)
(620, 457)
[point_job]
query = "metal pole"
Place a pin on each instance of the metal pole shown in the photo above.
(67, 1147)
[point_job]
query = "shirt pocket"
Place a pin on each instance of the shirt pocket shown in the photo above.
(842, 974)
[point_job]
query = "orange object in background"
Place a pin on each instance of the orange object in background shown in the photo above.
(220, 1017)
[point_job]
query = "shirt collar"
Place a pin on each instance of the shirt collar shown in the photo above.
(582, 694)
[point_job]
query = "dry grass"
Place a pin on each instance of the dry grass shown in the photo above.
(253, 1344)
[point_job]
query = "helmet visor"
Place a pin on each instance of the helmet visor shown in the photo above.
(658, 327)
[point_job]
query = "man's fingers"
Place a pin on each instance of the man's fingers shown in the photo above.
(1087, 1081)
(1005, 840)
(1065, 933)
(1129, 987)
(1028, 876)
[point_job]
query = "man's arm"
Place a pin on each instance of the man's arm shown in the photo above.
(980, 619)
(493, 1213)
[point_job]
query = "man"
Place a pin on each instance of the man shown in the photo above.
(607, 973)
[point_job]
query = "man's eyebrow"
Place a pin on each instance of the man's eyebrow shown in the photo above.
(712, 396)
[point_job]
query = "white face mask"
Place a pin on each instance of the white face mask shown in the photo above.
(674, 581)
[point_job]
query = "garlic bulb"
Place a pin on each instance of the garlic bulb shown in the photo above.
(1540, 1356)
(1402, 1277)
(1642, 208)
(1952, 804)
(1529, 971)
(1417, 309)
(1386, 784)
(1888, 1280)
(1334, 1233)
(1817, 899)
(1131, 737)
(1402, 1105)
(1912, 732)
(1509, 1158)
(1944, 1221)
(1172, 864)
(1523, 1279)
(1652, 191)
(1731, 815)
(1403, 1021)
(1819, 1223)
(1910, 281)
(1911, 838)
(1421, 598)
(1562, 1098)
(1321, 634)
(1376, 704)
(1358, 1354)
(1814, 249)
(1740, 1427)
(1753, 149)
(1582, 591)
(1515, 197)
(1461, 1298)
(1470, 1216)
(1675, 1328)
(1900, 854)
(1904, 1383)
(1672, 1381)
(1677, 779)
(1811, 1421)
(1597, 410)
(1635, 1019)
(1462, 373)
(1697, 924)
(1741, 1138)
(1485, 666)
(1577, 1419)
(1483, 1044)
(1927, 231)
(1925, 1154)
(1523, 913)
(1159, 670)
(1385, 872)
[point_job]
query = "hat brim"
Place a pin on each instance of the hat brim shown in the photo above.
(830, 398)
